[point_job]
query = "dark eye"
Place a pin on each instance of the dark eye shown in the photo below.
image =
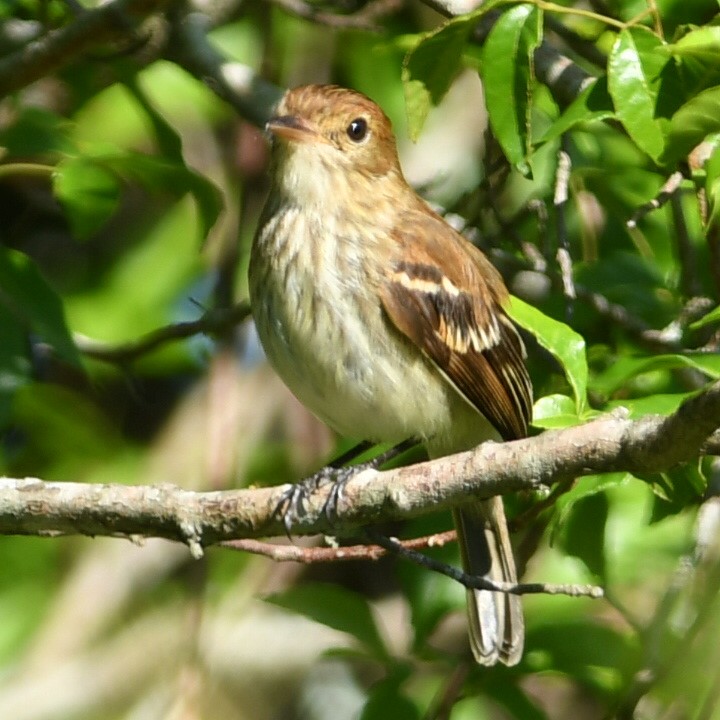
(357, 129)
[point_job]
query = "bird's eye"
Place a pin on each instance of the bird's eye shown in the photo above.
(357, 129)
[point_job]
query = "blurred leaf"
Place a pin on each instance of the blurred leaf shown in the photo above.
(337, 608)
(582, 489)
(712, 317)
(26, 296)
(36, 132)
(510, 695)
(89, 192)
(168, 139)
(175, 178)
(679, 487)
(561, 341)
(386, 701)
(626, 368)
(593, 103)
(593, 653)
(696, 119)
(508, 79)
(583, 533)
(146, 284)
(657, 404)
(89, 187)
(65, 430)
(432, 63)
(634, 69)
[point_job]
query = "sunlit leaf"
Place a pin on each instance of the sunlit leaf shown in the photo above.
(593, 103)
(567, 346)
(555, 411)
(634, 69)
(626, 368)
(692, 123)
(89, 192)
(508, 79)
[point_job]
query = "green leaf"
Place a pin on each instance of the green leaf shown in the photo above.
(599, 655)
(567, 346)
(432, 63)
(702, 44)
(626, 368)
(593, 103)
(696, 119)
(657, 404)
(634, 69)
(89, 187)
(508, 693)
(337, 608)
(35, 133)
(554, 411)
(583, 534)
(508, 79)
(176, 178)
(34, 305)
(386, 700)
(584, 488)
(698, 54)
(89, 193)
(429, 69)
(678, 488)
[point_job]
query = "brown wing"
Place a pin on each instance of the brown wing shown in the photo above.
(440, 299)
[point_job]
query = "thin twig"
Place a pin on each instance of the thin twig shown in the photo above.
(309, 555)
(481, 583)
(562, 180)
(212, 321)
(665, 193)
(690, 284)
(58, 48)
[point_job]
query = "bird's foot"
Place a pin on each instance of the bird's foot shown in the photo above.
(292, 504)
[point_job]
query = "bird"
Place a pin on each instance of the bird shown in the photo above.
(385, 322)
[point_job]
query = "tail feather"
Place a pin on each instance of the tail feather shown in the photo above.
(495, 619)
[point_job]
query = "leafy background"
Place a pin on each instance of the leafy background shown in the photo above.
(128, 197)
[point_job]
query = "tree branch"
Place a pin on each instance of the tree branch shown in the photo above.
(50, 52)
(213, 321)
(239, 85)
(609, 444)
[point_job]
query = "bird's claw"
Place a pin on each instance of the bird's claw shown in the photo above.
(292, 504)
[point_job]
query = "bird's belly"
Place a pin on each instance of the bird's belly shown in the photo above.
(360, 385)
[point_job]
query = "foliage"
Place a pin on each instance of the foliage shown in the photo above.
(125, 185)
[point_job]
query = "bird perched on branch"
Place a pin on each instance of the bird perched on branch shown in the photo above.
(385, 322)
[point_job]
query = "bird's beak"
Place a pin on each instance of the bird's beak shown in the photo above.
(293, 128)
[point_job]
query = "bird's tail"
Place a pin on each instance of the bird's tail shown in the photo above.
(496, 625)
